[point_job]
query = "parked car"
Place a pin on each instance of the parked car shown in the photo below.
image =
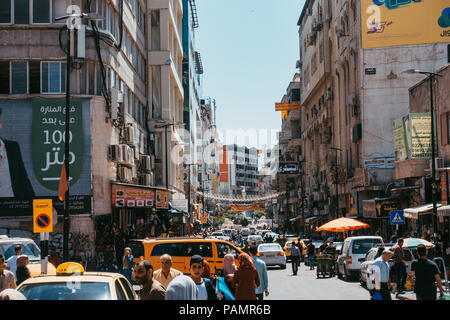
(252, 230)
(220, 235)
(229, 232)
(353, 253)
(272, 254)
(254, 240)
(245, 231)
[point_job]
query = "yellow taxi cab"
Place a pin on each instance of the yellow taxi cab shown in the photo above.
(287, 248)
(182, 249)
(29, 248)
(71, 282)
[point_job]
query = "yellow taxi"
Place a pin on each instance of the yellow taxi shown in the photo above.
(71, 282)
(287, 248)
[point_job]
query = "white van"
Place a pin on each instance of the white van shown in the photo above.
(353, 254)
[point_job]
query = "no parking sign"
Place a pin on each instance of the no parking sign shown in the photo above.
(42, 215)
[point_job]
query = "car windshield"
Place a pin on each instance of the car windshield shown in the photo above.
(254, 238)
(269, 247)
(361, 246)
(66, 291)
(28, 248)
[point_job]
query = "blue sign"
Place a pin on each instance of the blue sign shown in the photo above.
(397, 217)
(288, 168)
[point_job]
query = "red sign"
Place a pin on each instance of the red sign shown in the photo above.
(132, 197)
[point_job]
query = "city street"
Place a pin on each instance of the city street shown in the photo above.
(305, 286)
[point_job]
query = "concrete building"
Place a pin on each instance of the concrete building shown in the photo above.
(350, 97)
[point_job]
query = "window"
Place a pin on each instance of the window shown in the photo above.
(35, 76)
(119, 291)
(61, 291)
(363, 245)
(127, 287)
(41, 11)
(21, 12)
(5, 11)
(155, 31)
(201, 248)
(224, 249)
(172, 249)
(4, 77)
(19, 77)
(53, 79)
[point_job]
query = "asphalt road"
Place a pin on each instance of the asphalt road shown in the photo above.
(305, 286)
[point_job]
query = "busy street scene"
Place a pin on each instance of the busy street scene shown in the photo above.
(253, 150)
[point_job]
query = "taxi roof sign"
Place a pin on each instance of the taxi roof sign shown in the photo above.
(69, 268)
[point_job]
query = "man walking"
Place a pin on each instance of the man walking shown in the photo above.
(400, 266)
(295, 257)
(7, 279)
(150, 289)
(311, 254)
(261, 267)
(11, 263)
(380, 269)
(427, 275)
(166, 274)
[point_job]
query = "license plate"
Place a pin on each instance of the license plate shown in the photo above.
(270, 255)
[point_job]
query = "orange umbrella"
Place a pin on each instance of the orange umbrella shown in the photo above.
(342, 225)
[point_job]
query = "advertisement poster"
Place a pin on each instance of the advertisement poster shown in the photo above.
(32, 132)
(162, 199)
(400, 149)
(420, 126)
(132, 197)
(386, 23)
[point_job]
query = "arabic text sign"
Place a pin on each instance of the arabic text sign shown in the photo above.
(387, 23)
(49, 123)
(42, 215)
(287, 106)
(131, 197)
(288, 168)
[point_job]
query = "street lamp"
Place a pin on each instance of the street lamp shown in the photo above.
(337, 179)
(434, 144)
(71, 24)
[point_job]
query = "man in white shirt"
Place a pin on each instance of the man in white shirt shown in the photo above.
(11, 263)
(14, 178)
(166, 273)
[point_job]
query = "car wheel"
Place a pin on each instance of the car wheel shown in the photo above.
(283, 266)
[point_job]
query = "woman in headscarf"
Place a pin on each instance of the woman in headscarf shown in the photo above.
(182, 288)
(229, 269)
(246, 279)
(22, 272)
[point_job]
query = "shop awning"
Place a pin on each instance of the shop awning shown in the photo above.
(312, 219)
(413, 213)
(444, 211)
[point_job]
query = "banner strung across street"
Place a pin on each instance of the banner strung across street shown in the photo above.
(386, 23)
(33, 133)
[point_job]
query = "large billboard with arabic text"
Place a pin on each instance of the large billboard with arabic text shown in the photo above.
(386, 23)
(32, 151)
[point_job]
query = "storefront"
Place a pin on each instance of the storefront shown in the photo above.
(376, 212)
(420, 219)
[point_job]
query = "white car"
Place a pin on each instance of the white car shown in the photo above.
(354, 251)
(272, 254)
(245, 231)
(254, 241)
(219, 235)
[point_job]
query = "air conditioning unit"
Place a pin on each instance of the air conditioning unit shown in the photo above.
(146, 163)
(136, 153)
(125, 174)
(440, 163)
(128, 135)
(146, 179)
(115, 153)
(127, 155)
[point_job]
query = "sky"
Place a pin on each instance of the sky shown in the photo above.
(249, 50)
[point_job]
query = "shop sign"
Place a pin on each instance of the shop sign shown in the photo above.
(132, 197)
(162, 199)
(379, 208)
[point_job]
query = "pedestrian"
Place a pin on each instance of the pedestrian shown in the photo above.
(261, 267)
(206, 270)
(22, 272)
(166, 274)
(427, 275)
(330, 249)
(380, 269)
(206, 289)
(400, 266)
(7, 279)
(54, 259)
(295, 257)
(127, 263)
(11, 294)
(11, 262)
(246, 279)
(182, 288)
(229, 269)
(311, 254)
(150, 288)
(323, 247)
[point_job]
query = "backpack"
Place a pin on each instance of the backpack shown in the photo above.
(210, 290)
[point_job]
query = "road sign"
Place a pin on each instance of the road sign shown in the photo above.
(42, 215)
(397, 217)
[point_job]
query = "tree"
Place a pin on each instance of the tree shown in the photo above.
(244, 222)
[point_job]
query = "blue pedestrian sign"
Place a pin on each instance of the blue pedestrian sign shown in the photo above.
(397, 217)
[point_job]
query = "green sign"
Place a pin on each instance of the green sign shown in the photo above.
(400, 149)
(48, 141)
(420, 135)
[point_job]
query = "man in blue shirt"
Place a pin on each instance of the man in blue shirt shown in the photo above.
(295, 257)
(380, 271)
(262, 272)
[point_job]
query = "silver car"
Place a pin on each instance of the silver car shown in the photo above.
(272, 254)
(254, 241)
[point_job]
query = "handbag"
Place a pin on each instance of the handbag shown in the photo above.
(377, 295)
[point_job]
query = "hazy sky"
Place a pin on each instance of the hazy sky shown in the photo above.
(249, 49)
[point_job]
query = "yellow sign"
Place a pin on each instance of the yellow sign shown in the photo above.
(287, 106)
(69, 268)
(284, 115)
(386, 23)
(42, 215)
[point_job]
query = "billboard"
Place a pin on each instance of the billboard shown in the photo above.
(386, 23)
(132, 197)
(288, 167)
(32, 134)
